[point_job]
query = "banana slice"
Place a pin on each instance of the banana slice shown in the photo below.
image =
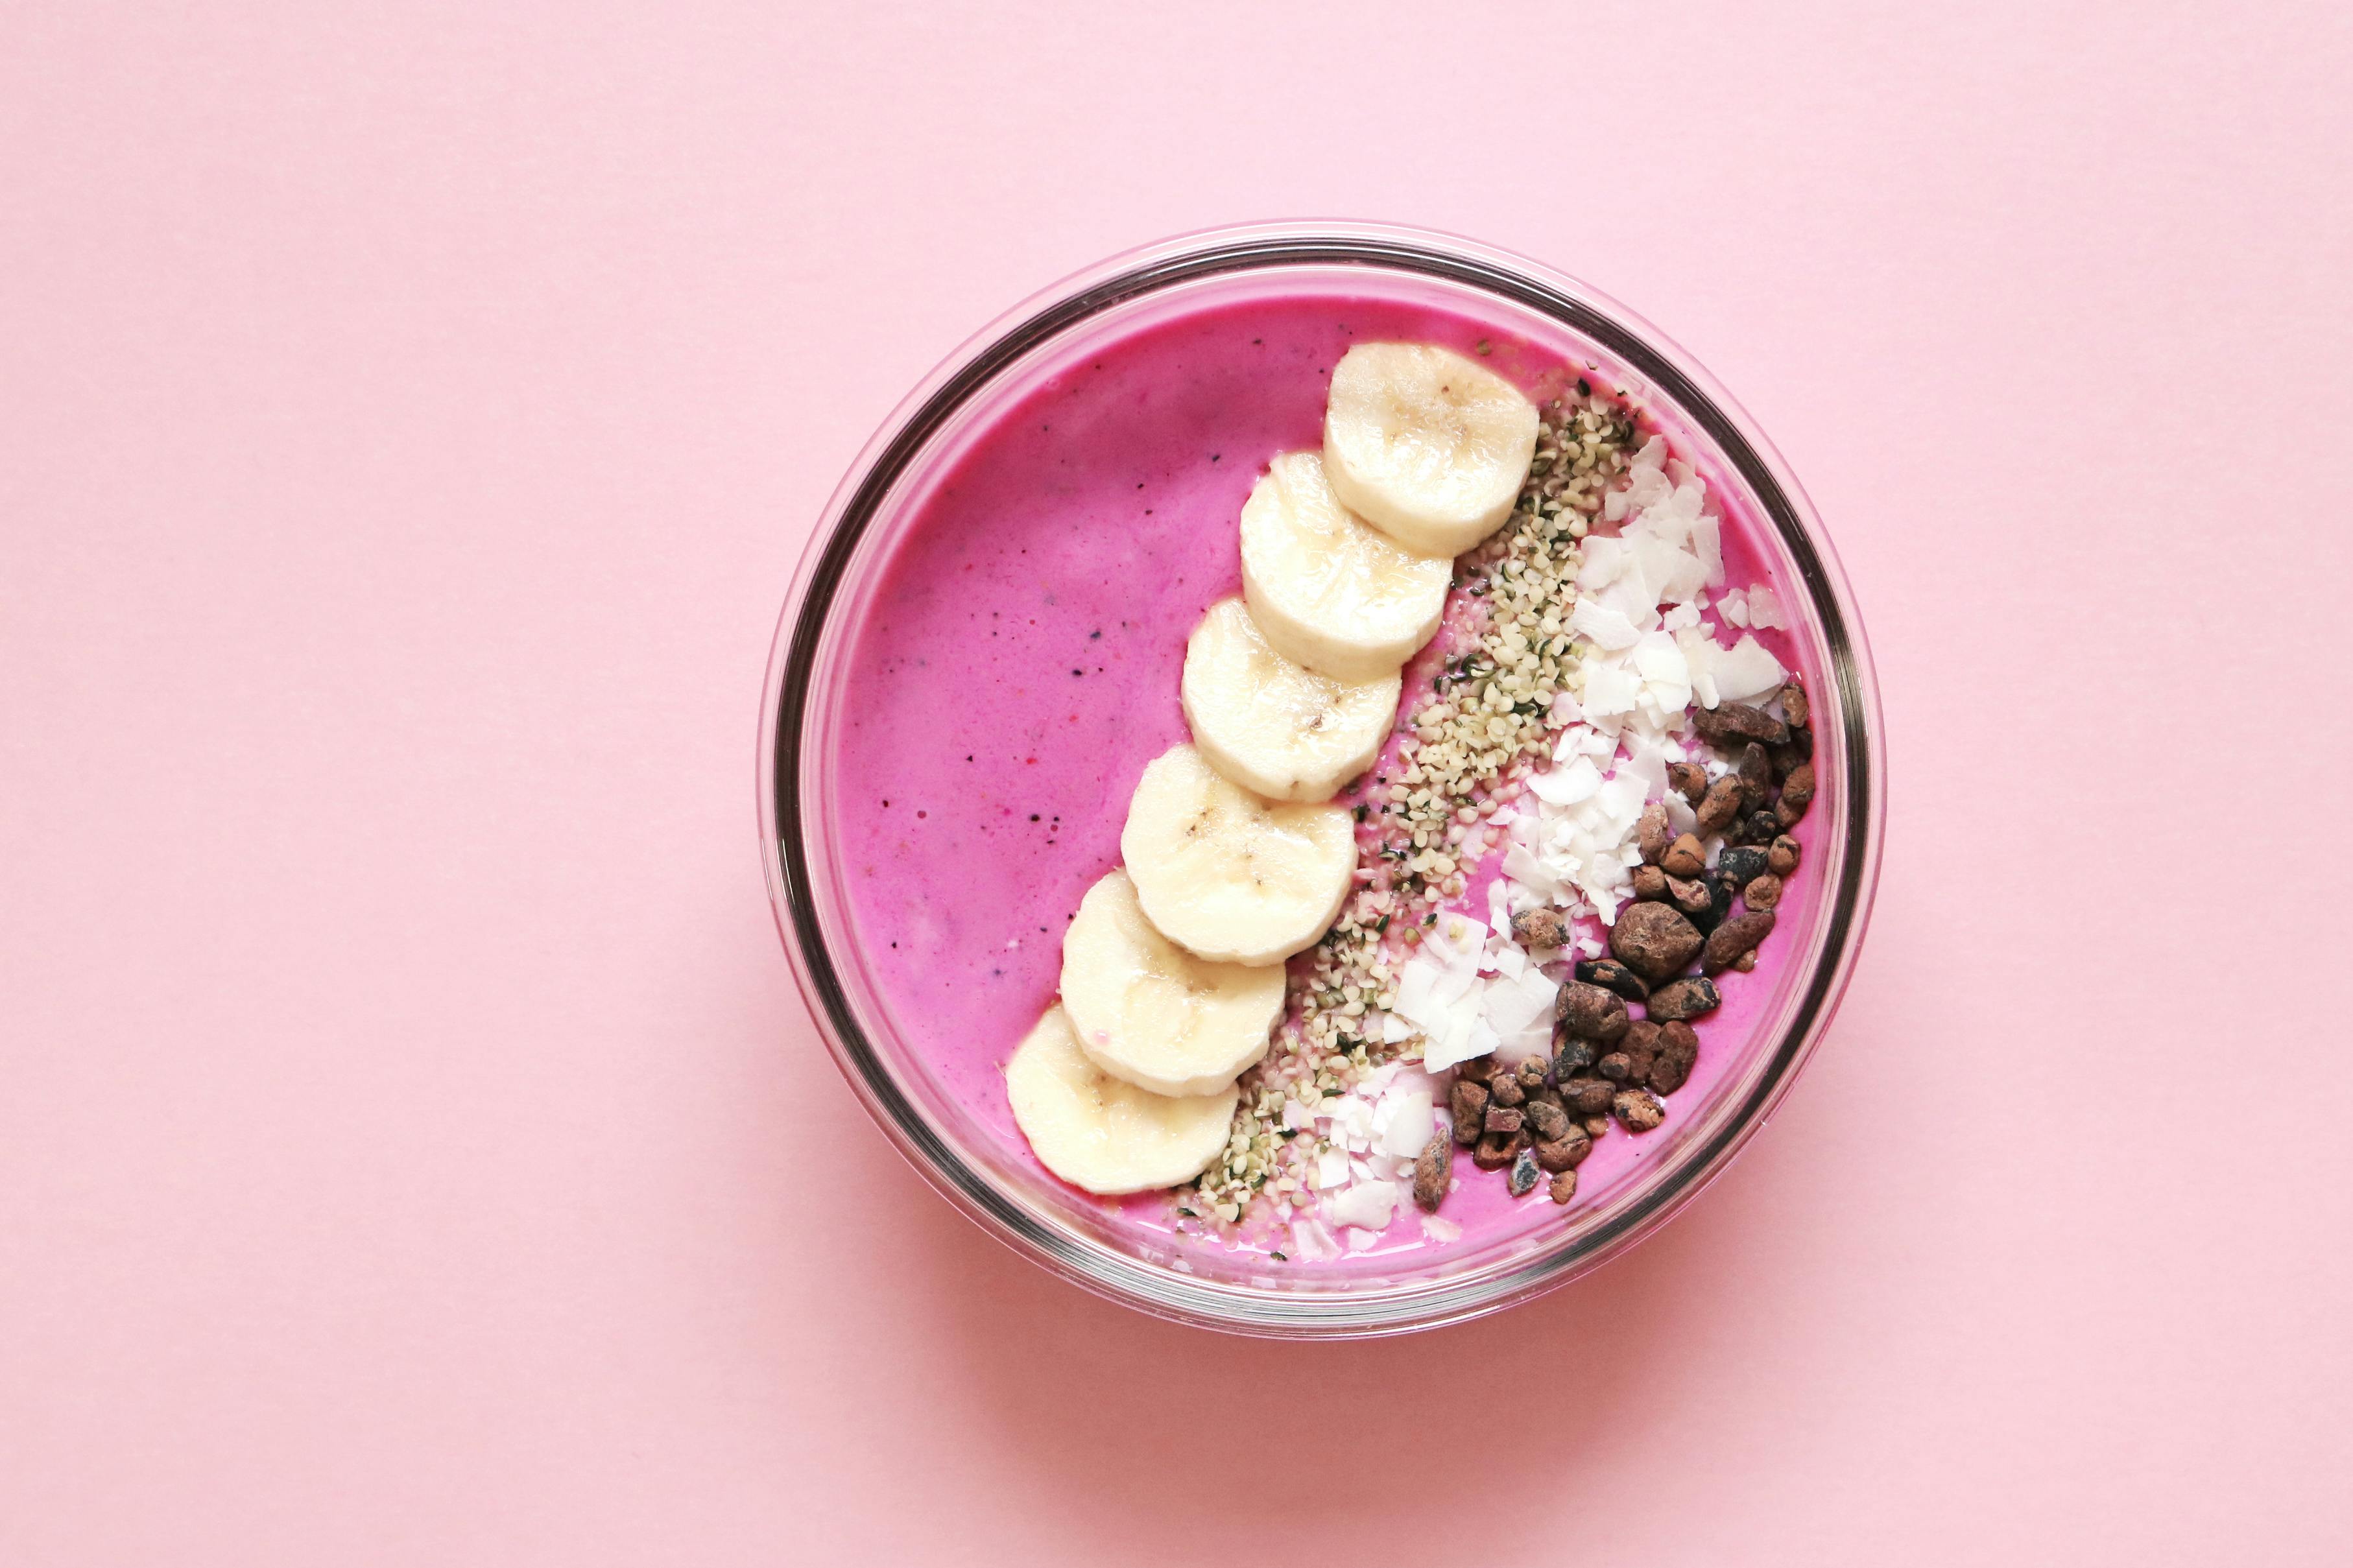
(1270, 725)
(1426, 446)
(1329, 591)
(1149, 1012)
(1098, 1133)
(1227, 875)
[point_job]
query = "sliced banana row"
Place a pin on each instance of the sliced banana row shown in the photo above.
(1229, 876)
(1331, 594)
(1150, 1012)
(1172, 970)
(1272, 726)
(1427, 446)
(1099, 1132)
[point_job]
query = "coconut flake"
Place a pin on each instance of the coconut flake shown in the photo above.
(1617, 805)
(1454, 1044)
(1524, 871)
(1707, 544)
(1647, 765)
(1415, 987)
(1699, 655)
(1352, 1123)
(1632, 596)
(1656, 658)
(1677, 572)
(1609, 691)
(1567, 787)
(1680, 815)
(1510, 1007)
(1606, 627)
(1745, 670)
(1604, 558)
(1310, 1240)
(1411, 1118)
(1666, 675)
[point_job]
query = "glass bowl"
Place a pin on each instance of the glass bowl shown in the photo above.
(968, 1159)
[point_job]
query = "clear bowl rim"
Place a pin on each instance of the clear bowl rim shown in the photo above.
(1670, 373)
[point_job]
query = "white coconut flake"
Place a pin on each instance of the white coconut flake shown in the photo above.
(1699, 655)
(1567, 787)
(1411, 1118)
(1632, 596)
(1745, 670)
(1606, 627)
(1510, 1008)
(1618, 801)
(1604, 559)
(1352, 1123)
(1453, 1044)
(1367, 1205)
(1679, 574)
(1532, 1005)
(1484, 1037)
(1415, 980)
(1656, 658)
(1610, 690)
(1680, 815)
(1310, 1240)
(1707, 544)
(1529, 874)
(1666, 675)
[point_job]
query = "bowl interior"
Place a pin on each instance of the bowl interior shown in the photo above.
(956, 1125)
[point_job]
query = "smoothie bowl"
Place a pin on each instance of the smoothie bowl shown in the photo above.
(1320, 781)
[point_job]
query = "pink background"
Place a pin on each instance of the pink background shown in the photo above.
(412, 1149)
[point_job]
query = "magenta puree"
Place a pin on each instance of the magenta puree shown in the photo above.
(1018, 666)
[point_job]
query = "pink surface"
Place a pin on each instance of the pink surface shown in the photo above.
(411, 1146)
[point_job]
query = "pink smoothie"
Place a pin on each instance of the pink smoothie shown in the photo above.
(1018, 666)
